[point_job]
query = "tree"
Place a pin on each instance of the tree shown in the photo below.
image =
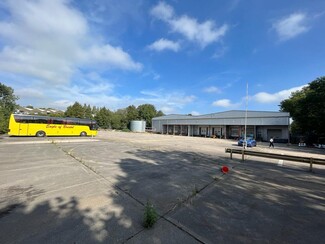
(7, 106)
(116, 121)
(119, 119)
(87, 112)
(94, 110)
(159, 113)
(307, 109)
(147, 112)
(76, 111)
(131, 114)
(57, 114)
(103, 118)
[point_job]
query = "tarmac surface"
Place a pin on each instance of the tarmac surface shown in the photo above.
(93, 190)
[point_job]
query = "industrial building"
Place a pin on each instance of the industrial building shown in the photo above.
(261, 125)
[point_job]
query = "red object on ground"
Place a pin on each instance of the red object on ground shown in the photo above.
(224, 169)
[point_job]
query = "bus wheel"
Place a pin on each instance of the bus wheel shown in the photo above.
(83, 134)
(40, 133)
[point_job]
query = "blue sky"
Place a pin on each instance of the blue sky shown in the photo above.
(181, 56)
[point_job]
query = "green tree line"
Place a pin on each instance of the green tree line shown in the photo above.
(119, 119)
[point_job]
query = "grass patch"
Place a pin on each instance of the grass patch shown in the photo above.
(150, 215)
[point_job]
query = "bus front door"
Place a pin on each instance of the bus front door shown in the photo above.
(23, 129)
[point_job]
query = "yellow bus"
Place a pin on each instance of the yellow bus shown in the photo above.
(40, 126)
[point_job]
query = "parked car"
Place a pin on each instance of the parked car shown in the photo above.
(250, 142)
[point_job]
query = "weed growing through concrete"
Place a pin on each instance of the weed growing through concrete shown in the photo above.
(195, 191)
(150, 215)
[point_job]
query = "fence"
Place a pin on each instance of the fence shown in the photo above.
(309, 160)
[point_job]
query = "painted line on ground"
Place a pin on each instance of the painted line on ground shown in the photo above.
(48, 142)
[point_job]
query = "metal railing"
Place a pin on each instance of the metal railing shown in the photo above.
(309, 160)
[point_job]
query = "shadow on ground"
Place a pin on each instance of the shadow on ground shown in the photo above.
(255, 202)
(61, 220)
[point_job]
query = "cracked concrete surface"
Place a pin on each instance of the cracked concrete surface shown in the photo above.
(89, 190)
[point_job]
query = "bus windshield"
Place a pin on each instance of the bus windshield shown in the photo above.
(34, 125)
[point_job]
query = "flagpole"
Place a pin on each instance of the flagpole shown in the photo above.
(245, 137)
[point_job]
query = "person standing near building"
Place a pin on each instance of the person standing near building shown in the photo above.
(271, 142)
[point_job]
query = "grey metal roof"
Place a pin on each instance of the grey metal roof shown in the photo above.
(227, 114)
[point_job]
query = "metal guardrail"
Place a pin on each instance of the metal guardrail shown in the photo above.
(309, 160)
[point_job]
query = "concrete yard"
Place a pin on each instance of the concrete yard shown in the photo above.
(93, 190)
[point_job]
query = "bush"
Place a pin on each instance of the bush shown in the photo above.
(4, 121)
(125, 130)
(150, 215)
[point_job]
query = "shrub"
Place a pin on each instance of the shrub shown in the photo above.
(125, 130)
(150, 215)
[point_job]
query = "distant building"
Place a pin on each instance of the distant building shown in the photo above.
(261, 125)
(37, 111)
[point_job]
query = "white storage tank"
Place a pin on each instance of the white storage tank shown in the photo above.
(138, 126)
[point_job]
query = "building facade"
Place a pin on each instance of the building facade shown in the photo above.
(261, 125)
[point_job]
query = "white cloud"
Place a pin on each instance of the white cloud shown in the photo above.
(91, 89)
(29, 93)
(93, 83)
(212, 89)
(168, 110)
(112, 56)
(152, 93)
(64, 96)
(167, 101)
(35, 63)
(163, 11)
(225, 103)
(164, 44)
(51, 41)
(264, 97)
(203, 33)
(291, 26)
(153, 74)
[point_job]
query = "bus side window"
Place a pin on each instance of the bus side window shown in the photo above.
(17, 118)
(27, 120)
(40, 120)
(58, 121)
(84, 122)
(72, 122)
(68, 122)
